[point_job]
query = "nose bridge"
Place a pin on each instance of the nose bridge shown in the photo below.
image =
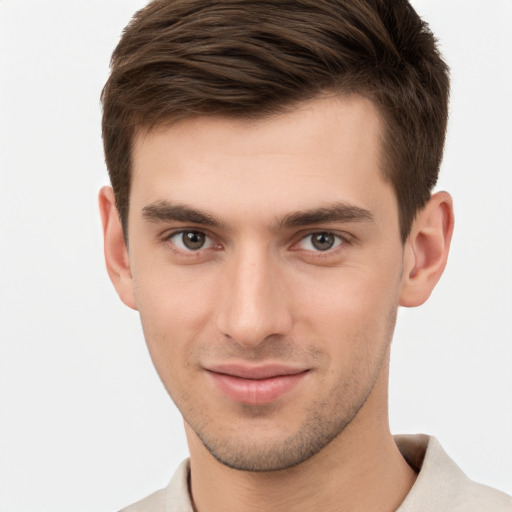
(254, 307)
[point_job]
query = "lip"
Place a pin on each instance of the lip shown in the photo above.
(255, 385)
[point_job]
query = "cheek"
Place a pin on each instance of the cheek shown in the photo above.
(175, 308)
(173, 296)
(350, 307)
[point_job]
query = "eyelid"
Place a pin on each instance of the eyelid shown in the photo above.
(343, 237)
(209, 240)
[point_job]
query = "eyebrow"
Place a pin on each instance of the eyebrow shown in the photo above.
(166, 211)
(338, 212)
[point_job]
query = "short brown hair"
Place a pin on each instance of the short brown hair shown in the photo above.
(253, 58)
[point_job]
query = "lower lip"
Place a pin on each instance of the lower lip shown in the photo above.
(256, 391)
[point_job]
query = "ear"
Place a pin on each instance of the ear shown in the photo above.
(426, 250)
(116, 252)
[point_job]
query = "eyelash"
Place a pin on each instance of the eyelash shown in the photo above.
(342, 239)
(339, 240)
(186, 251)
(328, 256)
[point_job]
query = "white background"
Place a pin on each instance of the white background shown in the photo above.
(85, 424)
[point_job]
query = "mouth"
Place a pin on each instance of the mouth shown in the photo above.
(255, 385)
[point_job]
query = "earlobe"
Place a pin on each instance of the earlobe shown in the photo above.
(426, 250)
(115, 250)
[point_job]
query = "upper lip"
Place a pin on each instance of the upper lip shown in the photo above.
(263, 371)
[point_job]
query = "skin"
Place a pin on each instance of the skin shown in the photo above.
(259, 292)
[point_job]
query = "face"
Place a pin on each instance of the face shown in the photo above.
(266, 263)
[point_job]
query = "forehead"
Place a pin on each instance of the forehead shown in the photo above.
(324, 150)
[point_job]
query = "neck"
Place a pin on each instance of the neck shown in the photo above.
(360, 470)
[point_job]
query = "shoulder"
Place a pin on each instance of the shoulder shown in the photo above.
(174, 498)
(154, 502)
(487, 499)
(441, 485)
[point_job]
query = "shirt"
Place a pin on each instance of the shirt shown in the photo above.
(441, 486)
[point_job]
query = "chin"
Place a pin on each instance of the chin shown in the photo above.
(267, 449)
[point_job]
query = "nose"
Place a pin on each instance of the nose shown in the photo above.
(254, 305)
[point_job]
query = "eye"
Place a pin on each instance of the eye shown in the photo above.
(191, 240)
(320, 241)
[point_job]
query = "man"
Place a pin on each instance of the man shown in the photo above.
(272, 166)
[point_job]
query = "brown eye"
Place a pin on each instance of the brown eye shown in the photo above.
(191, 240)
